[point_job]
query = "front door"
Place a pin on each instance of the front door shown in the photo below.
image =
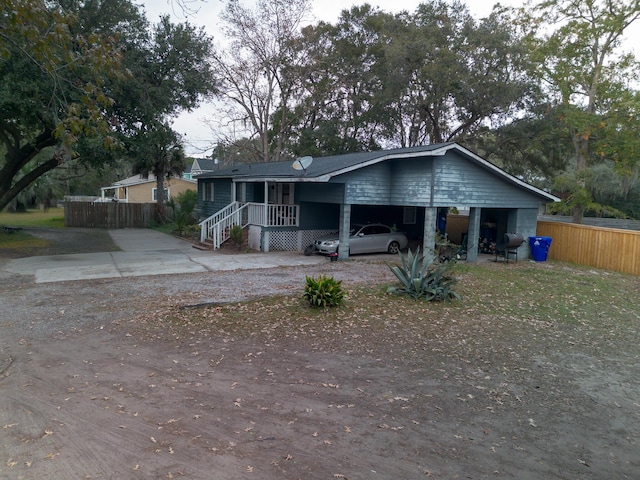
(281, 193)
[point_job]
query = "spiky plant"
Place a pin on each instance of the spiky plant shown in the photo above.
(420, 277)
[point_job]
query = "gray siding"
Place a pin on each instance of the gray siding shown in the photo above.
(367, 186)
(222, 196)
(461, 183)
(411, 182)
(318, 216)
(408, 182)
(319, 192)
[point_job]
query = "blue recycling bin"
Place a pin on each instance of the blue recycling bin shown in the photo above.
(539, 248)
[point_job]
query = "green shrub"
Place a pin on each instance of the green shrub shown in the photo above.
(323, 292)
(187, 201)
(420, 277)
(236, 235)
(183, 206)
(181, 220)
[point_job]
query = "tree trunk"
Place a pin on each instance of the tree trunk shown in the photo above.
(578, 214)
(582, 153)
(160, 197)
(160, 192)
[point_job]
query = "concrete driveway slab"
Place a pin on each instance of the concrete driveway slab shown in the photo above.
(147, 252)
(257, 260)
(136, 264)
(147, 240)
(77, 272)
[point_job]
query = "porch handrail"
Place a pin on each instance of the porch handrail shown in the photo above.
(218, 225)
(208, 227)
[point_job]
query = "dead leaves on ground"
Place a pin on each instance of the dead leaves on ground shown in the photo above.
(499, 302)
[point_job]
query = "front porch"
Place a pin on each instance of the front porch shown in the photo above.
(217, 228)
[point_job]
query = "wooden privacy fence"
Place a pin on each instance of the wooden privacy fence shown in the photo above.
(108, 214)
(607, 248)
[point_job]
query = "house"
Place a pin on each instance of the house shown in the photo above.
(200, 165)
(137, 189)
(186, 174)
(286, 205)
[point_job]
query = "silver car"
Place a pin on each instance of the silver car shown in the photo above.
(371, 238)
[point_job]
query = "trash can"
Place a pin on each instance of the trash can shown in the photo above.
(539, 248)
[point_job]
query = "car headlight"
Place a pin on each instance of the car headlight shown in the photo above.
(331, 243)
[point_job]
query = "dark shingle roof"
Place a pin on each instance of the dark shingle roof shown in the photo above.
(206, 164)
(320, 167)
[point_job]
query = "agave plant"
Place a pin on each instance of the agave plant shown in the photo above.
(420, 277)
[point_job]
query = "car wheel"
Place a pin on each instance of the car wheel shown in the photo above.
(394, 247)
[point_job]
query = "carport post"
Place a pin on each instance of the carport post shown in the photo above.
(473, 234)
(345, 226)
(429, 231)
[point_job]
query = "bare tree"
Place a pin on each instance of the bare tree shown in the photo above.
(252, 68)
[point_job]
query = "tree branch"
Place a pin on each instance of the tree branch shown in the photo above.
(25, 181)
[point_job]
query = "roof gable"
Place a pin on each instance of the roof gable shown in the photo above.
(203, 165)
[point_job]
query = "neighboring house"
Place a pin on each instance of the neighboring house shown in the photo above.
(138, 189)
(286, 208)
(187, 172)
(200, 165)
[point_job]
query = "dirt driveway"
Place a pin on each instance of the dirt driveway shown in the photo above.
(94, 385)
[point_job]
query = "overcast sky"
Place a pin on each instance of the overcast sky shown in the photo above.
(327, 10)
(191, 125)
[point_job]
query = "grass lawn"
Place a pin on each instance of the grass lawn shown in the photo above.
(44, 233)
(53, 218)
(20, 241)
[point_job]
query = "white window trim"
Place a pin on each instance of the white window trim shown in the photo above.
(154, 195)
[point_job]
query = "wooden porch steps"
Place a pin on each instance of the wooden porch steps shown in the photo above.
(206, 245)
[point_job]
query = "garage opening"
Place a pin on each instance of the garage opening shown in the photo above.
(409, 220)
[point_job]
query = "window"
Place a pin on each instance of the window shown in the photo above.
(207, 194)
(409, 215)
(241, 192)
(154, 194)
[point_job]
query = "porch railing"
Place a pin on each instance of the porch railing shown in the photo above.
(218, 226)
(273, 215)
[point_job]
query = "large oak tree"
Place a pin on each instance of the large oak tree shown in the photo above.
(90, 81)
(53, 73)
(376, 80)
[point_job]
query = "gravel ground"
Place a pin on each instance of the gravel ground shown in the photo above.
(37, 310)
(95, 384)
